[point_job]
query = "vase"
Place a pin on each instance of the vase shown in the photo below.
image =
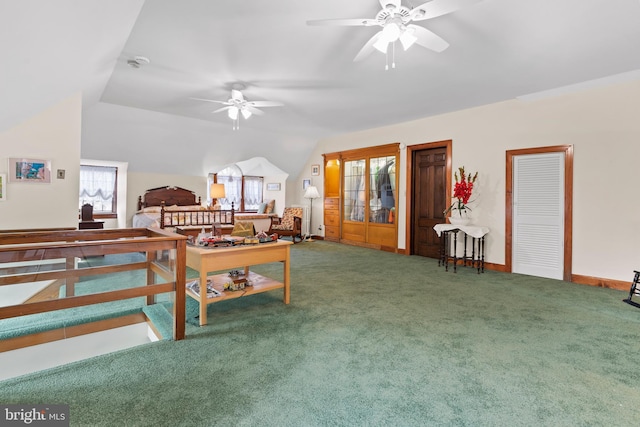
(459, 218)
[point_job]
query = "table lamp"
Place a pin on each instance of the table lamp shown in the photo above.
(216, 191)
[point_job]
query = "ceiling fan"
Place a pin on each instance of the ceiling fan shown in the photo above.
(395, 20)
(237, 105)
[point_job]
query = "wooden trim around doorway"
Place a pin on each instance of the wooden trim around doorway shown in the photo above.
(568, 203)
(409, 194)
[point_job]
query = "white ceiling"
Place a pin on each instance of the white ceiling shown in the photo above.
(499, 50)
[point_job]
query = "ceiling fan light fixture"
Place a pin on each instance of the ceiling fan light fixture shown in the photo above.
(245, 113)
(407, 38)
(381, 45)
(391, 32)
(233, 113)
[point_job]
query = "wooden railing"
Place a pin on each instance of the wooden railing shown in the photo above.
(52, 255)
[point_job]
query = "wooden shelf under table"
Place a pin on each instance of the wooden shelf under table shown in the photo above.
(259, 284)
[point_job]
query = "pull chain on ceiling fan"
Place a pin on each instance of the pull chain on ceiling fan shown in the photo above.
(395, 20)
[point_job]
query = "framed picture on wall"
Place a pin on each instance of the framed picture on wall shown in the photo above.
(306, 183)
(3, 187)
(29, 170)
(273, 186)
(315, 170)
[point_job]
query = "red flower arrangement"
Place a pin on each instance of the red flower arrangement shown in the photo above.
(462, 191)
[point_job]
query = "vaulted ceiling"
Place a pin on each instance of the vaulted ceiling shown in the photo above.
(499, 50)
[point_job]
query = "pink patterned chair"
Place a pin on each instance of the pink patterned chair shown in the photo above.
(289, 225)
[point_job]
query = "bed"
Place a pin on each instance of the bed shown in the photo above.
(171, 207)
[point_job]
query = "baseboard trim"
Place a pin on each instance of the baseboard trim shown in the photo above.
(495, 267)
(620, 285)
(600, 282)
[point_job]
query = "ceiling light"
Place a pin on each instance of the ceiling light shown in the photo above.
(391, 32)
(407, 38)
(233, 113)
(381, 45)
(245, 113)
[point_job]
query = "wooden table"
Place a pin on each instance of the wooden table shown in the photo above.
(206, 260)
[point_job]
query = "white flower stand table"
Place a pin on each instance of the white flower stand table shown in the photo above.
(470, 253)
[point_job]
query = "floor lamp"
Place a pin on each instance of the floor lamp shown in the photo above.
(311, 193)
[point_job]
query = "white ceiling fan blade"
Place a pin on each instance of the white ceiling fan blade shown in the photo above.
(253, 110)
(368, 48)
(426, 38)
(262, 104)
(344, 22)
(211, 100)
(237, 95)
(434, 8)
(221, 109)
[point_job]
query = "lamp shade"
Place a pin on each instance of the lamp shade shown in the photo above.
(216, 191)
(245, 113)
(233, 112)
(311, 193)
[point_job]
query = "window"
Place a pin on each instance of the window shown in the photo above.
(98, 187)
(354, 191)
(382, 189)
(244, 191)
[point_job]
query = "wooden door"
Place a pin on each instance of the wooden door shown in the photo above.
(429, 184)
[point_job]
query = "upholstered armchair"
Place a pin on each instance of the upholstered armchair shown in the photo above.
(289, 225)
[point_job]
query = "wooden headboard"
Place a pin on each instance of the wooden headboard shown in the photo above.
(167, 196)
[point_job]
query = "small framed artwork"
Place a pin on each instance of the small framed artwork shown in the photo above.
(306, 183)
(315, 170)
(29, 170)
(3, 187)
(273, 186)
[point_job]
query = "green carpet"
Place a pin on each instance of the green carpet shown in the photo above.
(372, 339)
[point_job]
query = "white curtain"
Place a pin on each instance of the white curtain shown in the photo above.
(232, 179)
(252, 192)
(97, 187)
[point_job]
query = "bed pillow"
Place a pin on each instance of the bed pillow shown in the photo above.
(262, 208)
(150, 209)
(175, 208)
(270, 206)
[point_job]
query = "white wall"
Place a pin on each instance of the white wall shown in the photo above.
(602, 124)
(280, 195)
(52, 135)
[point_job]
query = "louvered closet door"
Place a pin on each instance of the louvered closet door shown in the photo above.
(538, 215)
